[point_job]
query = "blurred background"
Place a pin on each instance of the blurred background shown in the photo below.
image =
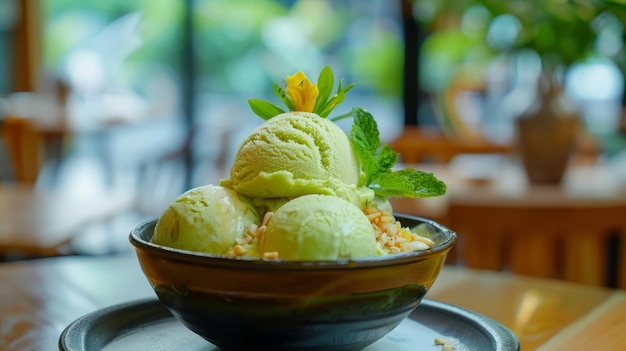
(156, 79)
(150, 97)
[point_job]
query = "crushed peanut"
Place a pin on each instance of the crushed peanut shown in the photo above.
(391, 237)
(253, 229)
(447, 344)
(266, 218)
(239, 250)
(270, 255)
(255, 232)
(243, 241)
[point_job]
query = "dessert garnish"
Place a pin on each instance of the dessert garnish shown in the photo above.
(377, 161)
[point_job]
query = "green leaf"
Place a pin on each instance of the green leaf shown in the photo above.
(377, 165)
(335, 100)
(340, 117)
(282, 95)
(367, 160)
(386, 159)
(347, 88)
(330, 106)
(365, 129)
(364, 137)
(264, 109)
(325, 83)
(408, 183)
(390, 185)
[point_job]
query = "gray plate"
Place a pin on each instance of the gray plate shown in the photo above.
(147, 325)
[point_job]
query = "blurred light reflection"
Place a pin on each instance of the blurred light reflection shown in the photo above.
(528, 306)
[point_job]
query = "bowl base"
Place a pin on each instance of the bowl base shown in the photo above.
(340, 323)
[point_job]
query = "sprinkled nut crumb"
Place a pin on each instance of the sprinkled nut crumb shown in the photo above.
(447, 344)
(255, 232)
(239, 250)
(391, 237)
(266, 217)
(246, 240)
(270, 255)
(253, 229)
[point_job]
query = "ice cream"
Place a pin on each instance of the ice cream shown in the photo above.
(295, 154)
(300, 188)
(319, 227)
(206, 219)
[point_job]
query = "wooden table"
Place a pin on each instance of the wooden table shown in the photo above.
(39, 298)
(574, 231)
(36, 223)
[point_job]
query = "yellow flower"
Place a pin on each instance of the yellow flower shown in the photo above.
(302, 92)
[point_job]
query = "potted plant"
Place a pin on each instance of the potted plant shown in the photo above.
(560, 34)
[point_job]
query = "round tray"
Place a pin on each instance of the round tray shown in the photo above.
(148, 325)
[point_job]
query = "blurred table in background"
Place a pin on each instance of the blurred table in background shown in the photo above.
(574, 231)
(44, 296)
(40, 223)
(417, 145)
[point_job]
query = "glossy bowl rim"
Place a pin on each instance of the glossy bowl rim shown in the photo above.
(214, 260)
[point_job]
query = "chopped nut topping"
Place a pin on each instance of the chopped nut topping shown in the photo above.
(266, 218)
(239, 250)
(270, 255)
(391, 237)
(255, 232)
(246, 240)
(447, 344)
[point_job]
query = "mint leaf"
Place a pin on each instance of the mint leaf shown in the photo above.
(364, 137)
(378, 164)
(408, 183)
(325, 83)
(365, 130)
(390, 185)
(386, 159)
(282, 95)
(264, 109)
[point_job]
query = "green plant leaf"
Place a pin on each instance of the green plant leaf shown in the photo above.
(325, 83)
(390, 185)
(264, 109)
(282, 95)
(377, 164)
(386, 159)
(409, 183)
(340, 117)
(335, 100)
(347, 88)
(365, 129)
(330, 106)
(364, 137)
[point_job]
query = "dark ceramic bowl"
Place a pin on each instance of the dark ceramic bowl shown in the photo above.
(289, 305)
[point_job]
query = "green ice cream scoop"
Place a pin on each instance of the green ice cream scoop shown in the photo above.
(205, 219)
(319, 227)
(294, 154)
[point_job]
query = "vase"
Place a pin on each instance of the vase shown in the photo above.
(547, 134)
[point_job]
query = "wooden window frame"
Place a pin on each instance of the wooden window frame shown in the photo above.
(27, 45)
